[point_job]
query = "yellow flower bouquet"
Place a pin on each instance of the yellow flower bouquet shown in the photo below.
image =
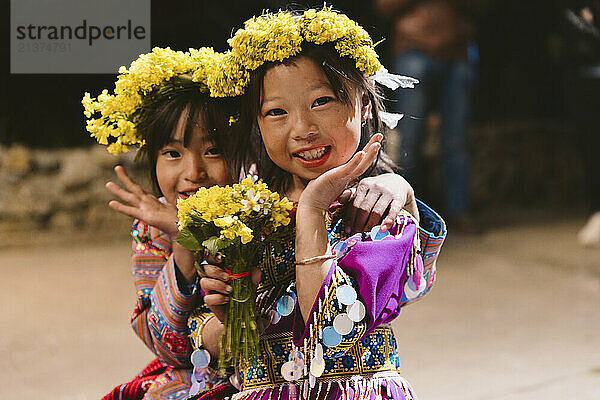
(234, 221)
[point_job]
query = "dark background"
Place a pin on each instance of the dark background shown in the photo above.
(520, 64)
(521, 143)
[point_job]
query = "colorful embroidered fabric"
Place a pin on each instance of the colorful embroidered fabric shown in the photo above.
(160, 316)
(161, 313)
(365, 360)
(138, 386)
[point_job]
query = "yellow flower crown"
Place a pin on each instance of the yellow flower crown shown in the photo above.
(273, 37)
(159, 73)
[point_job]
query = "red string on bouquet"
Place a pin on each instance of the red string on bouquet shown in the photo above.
(236, 276)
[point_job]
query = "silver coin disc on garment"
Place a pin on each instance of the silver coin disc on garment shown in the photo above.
(410, 289)
(285, 305)
(291, 371)
(357, 311)
(342, 324)
(317, 367)
(200, 358)
(346, 294)
(330, 337)
(319, 350)
(274, 316)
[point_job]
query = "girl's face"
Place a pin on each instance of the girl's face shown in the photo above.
(182, 170)
(305, 128)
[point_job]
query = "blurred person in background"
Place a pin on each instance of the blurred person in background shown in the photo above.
(582, 80)
(432, 41)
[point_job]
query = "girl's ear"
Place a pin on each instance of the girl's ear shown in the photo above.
(366, 105)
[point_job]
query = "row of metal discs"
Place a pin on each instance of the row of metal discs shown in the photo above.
(343, 323)
(292, 370)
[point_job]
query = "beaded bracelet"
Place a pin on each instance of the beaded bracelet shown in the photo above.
(200, 329)
(311, 260)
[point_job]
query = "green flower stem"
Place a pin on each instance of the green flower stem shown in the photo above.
(240, 336)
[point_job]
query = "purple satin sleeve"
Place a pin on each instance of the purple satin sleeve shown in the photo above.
(378, 268)
(377, 271)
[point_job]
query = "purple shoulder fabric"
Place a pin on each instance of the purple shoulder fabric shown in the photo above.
(378, 267)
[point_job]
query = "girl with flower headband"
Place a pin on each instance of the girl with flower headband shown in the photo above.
(311, 106)
(162, 104)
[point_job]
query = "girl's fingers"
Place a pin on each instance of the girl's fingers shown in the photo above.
(377, 211)
(215, 272)
(361, 193)
(376, 138)
(367, 161)
(393, 212)
(215, 299)
(215, 286)
(122, 194)
(360, 162)
(347, 169)
(369, 152)
(365, 213)
(411, 207)
(130, 211)
(128, 182)
(351, 212)
(346, 195)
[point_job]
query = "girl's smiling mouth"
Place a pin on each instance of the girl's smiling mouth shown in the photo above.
(314, 157)
(185, 194)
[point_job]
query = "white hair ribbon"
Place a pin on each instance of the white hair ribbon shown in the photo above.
(390, 119)
(393, 81)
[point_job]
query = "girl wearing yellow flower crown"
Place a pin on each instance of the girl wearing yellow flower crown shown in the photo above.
(311, 106)
(162, 104)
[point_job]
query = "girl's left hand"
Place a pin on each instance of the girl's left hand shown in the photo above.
(375, 195)
(322, 191)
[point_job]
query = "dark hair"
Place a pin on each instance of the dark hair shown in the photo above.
(162, 114)
(344, 78)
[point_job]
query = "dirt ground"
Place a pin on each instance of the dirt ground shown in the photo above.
(514, 315)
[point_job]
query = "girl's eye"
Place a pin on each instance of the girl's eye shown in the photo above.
(275, 112)
(213, 151)
(321, 101)
(171, 154)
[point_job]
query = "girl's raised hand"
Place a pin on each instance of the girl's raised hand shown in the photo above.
(141, 204)
(321, 192)
(376, 197)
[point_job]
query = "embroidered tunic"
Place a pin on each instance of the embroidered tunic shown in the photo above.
(159, 319)
(382, 272)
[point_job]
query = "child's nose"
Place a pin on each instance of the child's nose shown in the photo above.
(195, 170)
(304, 128)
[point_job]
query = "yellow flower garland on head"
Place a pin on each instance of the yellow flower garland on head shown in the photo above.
(269, 37)
(275, 37)
(112, 119)
(228, 78)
